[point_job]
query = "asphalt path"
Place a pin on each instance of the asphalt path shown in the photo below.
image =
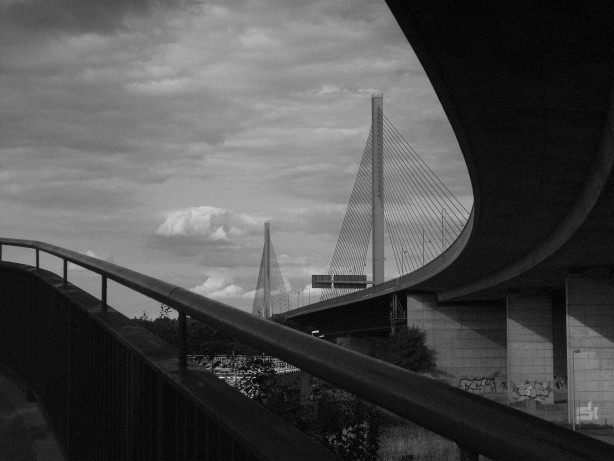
(25, 435)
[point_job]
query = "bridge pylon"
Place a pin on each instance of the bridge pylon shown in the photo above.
(271, 295)
(377, 188)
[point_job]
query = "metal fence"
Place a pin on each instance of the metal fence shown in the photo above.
(176, 414)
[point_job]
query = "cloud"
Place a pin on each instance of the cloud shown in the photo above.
(217, 288)
(38, 189)
(309, 291)
(209, 223)
(114, 110)
(291, 260)
(75, 16)
(317, 219)
(108, 257)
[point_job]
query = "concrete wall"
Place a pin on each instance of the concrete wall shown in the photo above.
(590, 347)
(470, 341)
(530, 349)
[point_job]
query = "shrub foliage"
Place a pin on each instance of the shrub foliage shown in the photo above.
(340, 421)
(407, 349)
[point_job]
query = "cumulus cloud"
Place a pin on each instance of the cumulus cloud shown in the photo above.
(216, 287)
(209, 223)
(108, 257)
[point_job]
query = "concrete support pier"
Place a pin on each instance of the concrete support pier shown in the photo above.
(530, 350)
(590, 348)
(469, 340)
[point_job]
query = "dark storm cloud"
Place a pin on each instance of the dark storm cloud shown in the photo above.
(75, 196)
(100, 117)
(77, 16)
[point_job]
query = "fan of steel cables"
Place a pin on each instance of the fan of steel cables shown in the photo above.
(422, 216)
(278, 300)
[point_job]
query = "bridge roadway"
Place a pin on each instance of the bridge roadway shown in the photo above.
(527, 88)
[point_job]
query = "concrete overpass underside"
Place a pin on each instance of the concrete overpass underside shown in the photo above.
(521, 307)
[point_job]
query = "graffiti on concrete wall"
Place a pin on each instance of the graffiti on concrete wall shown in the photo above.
(560, 384)
(537, 390)
(587, 413)
(483, 385)
(478, 385)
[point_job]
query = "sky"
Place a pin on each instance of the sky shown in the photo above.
(161, 135)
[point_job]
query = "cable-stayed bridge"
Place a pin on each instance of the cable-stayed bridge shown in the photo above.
(520, 308)
(523, 299)
(397, 191)
(271, 295)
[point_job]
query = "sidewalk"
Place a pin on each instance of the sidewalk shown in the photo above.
(24, 432)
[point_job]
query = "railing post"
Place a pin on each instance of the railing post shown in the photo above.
(103, 293)
(183, 340)
(468, 455)
(160, 419)
(0, 252)
(37, 259)
(65, 271)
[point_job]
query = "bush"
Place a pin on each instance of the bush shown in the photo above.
(350, 428)
(407, 349)
(340, 421)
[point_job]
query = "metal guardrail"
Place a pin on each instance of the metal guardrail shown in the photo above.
(112, 390)
(477, 425)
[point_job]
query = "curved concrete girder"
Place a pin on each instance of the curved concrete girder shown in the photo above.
(592, 191)
(527, 89)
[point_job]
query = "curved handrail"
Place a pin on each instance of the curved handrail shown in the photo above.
(474, 423)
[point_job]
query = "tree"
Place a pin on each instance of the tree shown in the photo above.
(340, 421)
(202, 339)
(407, 349)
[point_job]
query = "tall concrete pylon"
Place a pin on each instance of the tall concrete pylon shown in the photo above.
(377, 186)
(271, 295)
(266, 256)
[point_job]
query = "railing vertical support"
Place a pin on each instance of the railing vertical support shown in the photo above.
(37, 259)
(160, 419)
(131, 389)
(103, 293)
(183, 340)
(468, 455)
(68, 441)
(65, 271)
(0, 252)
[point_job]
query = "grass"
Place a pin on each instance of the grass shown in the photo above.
(399, 442)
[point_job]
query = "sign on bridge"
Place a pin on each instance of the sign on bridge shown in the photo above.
(339, 281)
